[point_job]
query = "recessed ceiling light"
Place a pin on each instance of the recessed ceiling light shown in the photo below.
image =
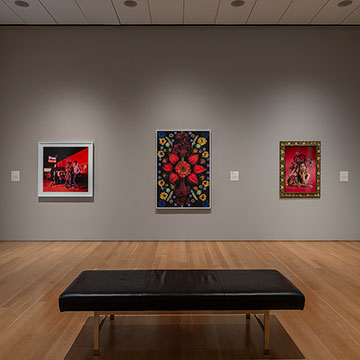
(344, 3)
(130, 3)
(237, 3)
(22, 3)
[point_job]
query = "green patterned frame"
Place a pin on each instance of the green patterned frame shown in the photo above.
(283, 145)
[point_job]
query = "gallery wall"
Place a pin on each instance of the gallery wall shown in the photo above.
(252, 86)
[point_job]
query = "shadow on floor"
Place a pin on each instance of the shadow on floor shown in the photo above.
(225, 337)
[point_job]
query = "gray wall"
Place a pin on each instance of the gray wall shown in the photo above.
(252, 86)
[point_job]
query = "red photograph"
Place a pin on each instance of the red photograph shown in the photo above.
(65, 169)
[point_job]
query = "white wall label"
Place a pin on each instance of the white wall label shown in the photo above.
(344, 176)
(234, 175)
(15, 175)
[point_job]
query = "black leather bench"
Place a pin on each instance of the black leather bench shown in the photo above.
(247, 292)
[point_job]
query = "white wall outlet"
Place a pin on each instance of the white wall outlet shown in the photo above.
(15, 175)
(234, 175)
(344, 176)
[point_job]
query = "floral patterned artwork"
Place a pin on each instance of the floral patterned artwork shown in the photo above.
(183, 169)
(300, 169)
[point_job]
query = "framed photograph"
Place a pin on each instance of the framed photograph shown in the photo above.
(183, 169)
(65, 169)
(300, 169)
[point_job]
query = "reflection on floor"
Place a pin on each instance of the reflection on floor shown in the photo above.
(184, 337)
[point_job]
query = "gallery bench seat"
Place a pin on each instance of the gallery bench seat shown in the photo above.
(109, 292)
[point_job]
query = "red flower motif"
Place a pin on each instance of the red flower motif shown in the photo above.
(173, 177)
(193, 159)
(168, 167)
(173, 158)
(193, 178)
(183, 168)
(198, 169)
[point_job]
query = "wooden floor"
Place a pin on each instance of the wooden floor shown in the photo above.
(33, 274)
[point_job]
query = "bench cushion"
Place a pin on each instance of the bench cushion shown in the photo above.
(140, 290)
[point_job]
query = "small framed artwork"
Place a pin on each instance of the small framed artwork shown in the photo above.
(183, 169)
(300, 169)
(65, 169)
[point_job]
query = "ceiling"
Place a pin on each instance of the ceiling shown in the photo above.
(207, 12)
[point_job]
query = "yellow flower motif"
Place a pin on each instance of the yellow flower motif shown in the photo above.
(202, 141)
(163, 195)
(202, 197)
(205, 154)
(160, 154)
(162, 141)
(161, 183)
(205, 183)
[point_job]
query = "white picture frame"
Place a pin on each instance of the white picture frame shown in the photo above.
(82, 188)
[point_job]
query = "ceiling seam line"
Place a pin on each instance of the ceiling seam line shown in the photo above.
(251, 11)
(285, 11)
(83, 14)
(117, 15)
(183, 17)
(318, 12)
(217, 12)
(48, 12)
(349, 14)
(14, 12)
(151, 20)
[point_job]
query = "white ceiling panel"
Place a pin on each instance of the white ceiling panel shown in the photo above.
(114, 12)
(353, 18)
(33, 14)
(7, 16)
(65, 11)
(200, 11)
(302, 11)
(98, 11)
(333, 14)
(228, 14)
(167, 11)
(268, 12)
(139, 14)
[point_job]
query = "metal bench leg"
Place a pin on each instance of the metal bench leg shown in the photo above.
(96, 333)
(267, 332)
(97, 327)
(266, 329)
